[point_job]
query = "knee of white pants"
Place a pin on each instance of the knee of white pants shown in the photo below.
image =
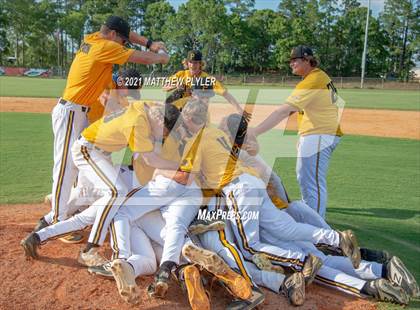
(143, 265)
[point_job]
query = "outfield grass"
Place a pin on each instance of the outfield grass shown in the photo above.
(354, 98)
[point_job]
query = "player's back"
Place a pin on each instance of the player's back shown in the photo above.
(211, 154)
(91, 70)
(126, 127)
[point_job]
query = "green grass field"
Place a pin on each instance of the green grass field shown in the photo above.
(354, 98)
(373, 182)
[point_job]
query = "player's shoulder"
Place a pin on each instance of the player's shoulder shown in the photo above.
(316, 79)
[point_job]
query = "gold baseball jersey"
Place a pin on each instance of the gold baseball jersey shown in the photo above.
(170, 150)
(91, 70)
(126, 127)
(184, 77)
(315, 97)
(209, 154)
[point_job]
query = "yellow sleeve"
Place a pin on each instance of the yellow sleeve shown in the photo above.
(191, 159)
(219, 88)
(114, 53)
(301, 97)
(139, 140)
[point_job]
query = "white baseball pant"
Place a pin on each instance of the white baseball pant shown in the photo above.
(156, 194)
(68, 121)
(247, 196)
(313, 158)
(222, 243)
(98, 169)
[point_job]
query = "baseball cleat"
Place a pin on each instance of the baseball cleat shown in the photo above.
(384, 290)
(72, 238)
(159, 287)
(264, 263)
(196, 293)
(126, 280)
(293, 288)
(91, 258)
(30, 245)
(370, 255)
(311, 267)
(199, 226)
(102, 270)
(42, 223)
(399, 275)
(254, 301)
(213, 263)
(350, 247)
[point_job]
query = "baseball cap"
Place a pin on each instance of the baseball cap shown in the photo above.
(194, 56)
(237, 125)
(119, 25)
(301, 51)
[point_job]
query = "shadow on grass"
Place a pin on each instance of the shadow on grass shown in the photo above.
(377, 212)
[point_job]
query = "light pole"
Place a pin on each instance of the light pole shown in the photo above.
(362, 80)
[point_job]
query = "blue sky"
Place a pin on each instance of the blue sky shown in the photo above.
(376, 5)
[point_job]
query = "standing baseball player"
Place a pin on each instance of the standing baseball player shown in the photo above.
(315, 99)
(183, 81)
(89, 75)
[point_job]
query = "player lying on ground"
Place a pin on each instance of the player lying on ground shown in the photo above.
(137, 126)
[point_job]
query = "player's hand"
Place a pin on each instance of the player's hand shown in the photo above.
(158, 45)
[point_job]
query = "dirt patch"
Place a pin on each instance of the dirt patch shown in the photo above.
(379, 123)
(57, 281)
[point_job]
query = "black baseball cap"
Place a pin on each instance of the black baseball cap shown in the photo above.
(194, 56)
(300, 52)
(119, 25)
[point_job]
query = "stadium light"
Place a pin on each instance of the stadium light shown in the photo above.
(362, 80)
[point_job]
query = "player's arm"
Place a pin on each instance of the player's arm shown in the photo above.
(154, 160)
(229, 98)
(141, 40)
(148, 58)
(179, 176)
(273, 119)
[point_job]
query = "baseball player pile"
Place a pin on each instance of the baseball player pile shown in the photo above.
(198, 203)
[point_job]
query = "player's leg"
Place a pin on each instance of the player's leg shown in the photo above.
(243, 198)
(143, 257)
(137, 204)
(178, 215)
(302, 213)
(314, 153)
(98, 168)
(68, 121)
(280, 225)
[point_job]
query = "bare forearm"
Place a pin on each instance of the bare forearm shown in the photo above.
(148, 58)
(233, 102)
(137, 39)
(275, 118)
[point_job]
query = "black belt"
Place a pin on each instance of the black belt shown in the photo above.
(84, 109)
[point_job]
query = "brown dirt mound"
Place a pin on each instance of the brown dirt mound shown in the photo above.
(379, 123)
(57, 281)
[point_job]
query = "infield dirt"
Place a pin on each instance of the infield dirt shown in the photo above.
(379, 123)
(57, 281)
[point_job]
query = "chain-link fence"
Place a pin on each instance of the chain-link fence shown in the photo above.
(339, 82)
